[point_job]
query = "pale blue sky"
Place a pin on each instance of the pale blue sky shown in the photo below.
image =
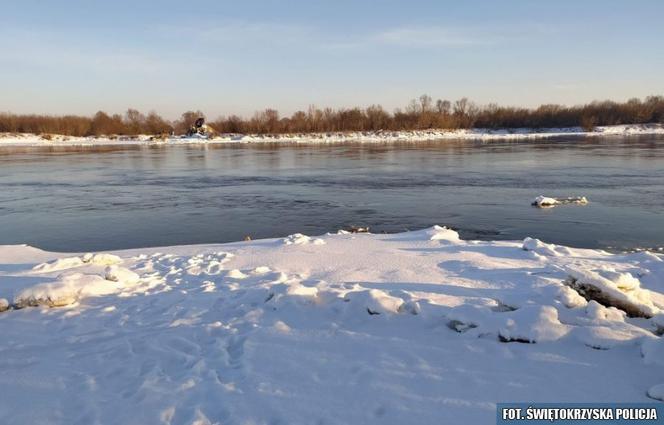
(240, 56)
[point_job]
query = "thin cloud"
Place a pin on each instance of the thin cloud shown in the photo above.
(270, 34)
(429, 37)
(454, 36)
(432, 37)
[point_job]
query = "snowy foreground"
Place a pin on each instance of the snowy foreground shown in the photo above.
(418, 327)
(7, 139)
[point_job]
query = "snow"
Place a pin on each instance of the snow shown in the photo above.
(653, 352)
(65, 290)
(416, 327)
(373, 301)
(544, 201)
(533, 324)
(544, 249)
(438, 233)
(71, 262)
(300, 239)
(121, 275)
(70, 287)
(381, 136)
(658, 320)
(657, 392)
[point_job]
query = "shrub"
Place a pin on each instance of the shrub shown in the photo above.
(588, 123)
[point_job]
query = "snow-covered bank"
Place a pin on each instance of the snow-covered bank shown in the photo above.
(417, 327)
(358, 137)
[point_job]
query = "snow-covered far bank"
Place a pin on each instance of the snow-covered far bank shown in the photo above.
(417, 327)
(7, 139)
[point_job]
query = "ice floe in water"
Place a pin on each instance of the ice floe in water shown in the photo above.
(548, 202)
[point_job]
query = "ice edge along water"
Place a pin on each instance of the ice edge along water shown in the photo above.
(9, 139)
(417, 327)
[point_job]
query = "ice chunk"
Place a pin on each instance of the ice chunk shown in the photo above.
(580, 200)
(261, 270)
(597, 312)
(281, 327)
(544, 202)
(375, 301)
(302, 291)
(570, 298)
(410, 307)
(541, 248)
(442, 233)
(70, 287)
(73, 262)
(300, 239)
(59, 264)
(102, 259)
(4, 304)
(547, 202)
(532, 324)
(121, 275)
(67, 289)
(236, 274)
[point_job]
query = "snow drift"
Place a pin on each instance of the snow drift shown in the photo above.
(417, 327)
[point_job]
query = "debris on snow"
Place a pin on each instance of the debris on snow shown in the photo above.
(612, 289)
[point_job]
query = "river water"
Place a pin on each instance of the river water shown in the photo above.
(100, 198)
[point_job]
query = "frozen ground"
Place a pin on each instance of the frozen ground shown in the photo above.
(418, 327)
(7, 139)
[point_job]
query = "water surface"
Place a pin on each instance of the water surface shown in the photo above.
(97, 198)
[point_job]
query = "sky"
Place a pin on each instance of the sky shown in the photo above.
(237, 57)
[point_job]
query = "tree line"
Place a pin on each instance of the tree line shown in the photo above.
(420, 114)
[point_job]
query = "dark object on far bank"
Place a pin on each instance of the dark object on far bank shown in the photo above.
(197, 128)
(200, 129)
(358, 229)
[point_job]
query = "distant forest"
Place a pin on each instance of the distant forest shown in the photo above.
(422, 113)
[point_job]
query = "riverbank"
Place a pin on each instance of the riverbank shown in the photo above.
(353, 328)
(7, 139)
